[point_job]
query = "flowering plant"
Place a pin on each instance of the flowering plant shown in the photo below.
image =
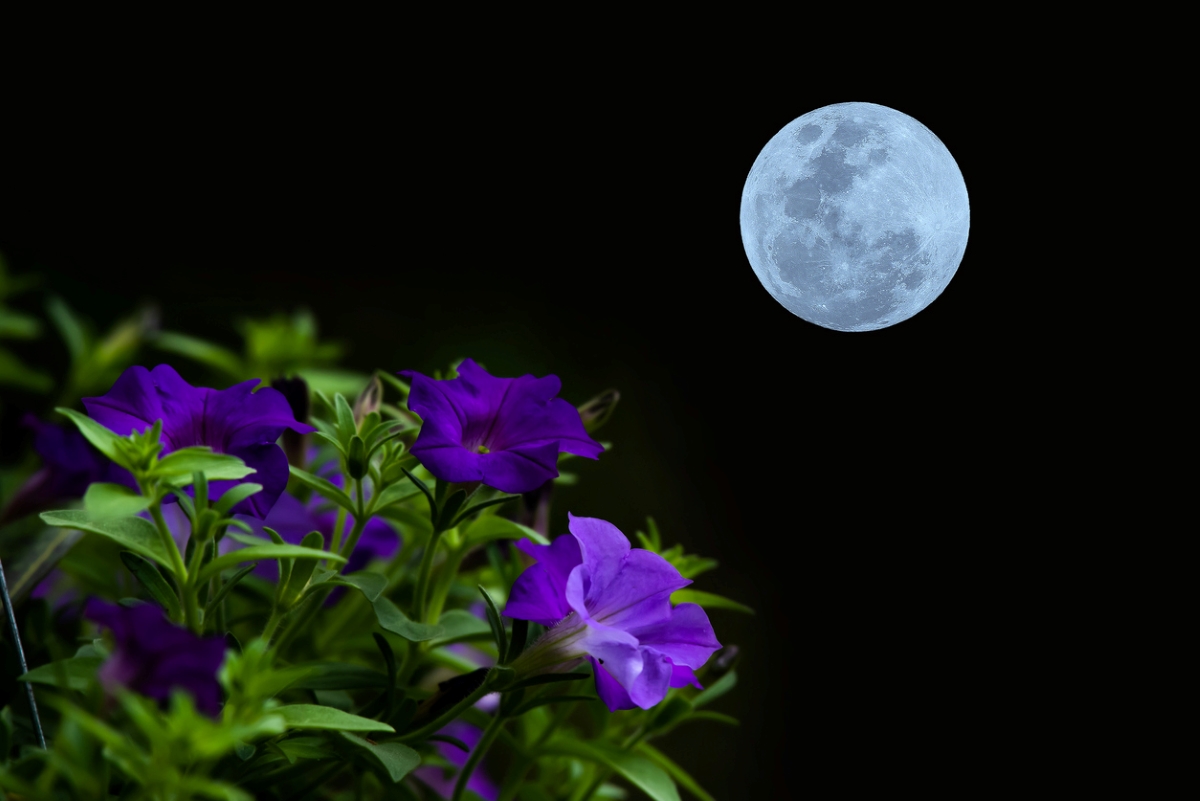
(283, 593)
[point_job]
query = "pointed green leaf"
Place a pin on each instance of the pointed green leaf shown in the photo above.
(497, 624)
(229, 584)
(676, 772)
(553, 699)
(105, 501)
(370, 584)
(486, 529)
(98, 435)
(304, 748)
(69, 326)
(423, 487)
(708, 600)
(345, 420)
(338, 676)
(396, 759)
(235, 495)
(178, 466)
(78, 672)
(458, 625)
(638, 770)
(153, 581)
(134, 533)
(548, 678)
(258, 553)
(394, 493)
(716, 689)
(324, 488)
(302, 570)
(313, 716)
(392, 619)
(466, 514)
(204, 352)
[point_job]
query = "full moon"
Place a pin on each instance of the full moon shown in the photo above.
(855, 217)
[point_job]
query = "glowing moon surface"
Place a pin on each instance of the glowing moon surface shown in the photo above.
(855, 217)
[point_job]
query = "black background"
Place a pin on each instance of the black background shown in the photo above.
(577, 214)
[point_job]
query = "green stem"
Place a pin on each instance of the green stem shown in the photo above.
(360, 521)
(441, 588)
(187, 598)
(336, 544)
(272, 624)
(422, 589)
(485, 742)
(450, 714)
(512, 782)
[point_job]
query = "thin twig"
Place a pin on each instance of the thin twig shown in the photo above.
(12, 627)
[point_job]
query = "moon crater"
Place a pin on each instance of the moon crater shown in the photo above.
(855, 217)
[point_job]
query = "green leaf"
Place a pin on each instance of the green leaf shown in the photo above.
(716, 689)
(338, 676)
(458, 625)
(304, 748)
(676, 772)
(324, 488)
(40, 557)
(370, 584)
(15, 325)
(396, 759)
(547, 678)
(486, 529)
(235, 495)
(392, 619)
(258, 553)
(78, 672)
(423, 487)
(394, 493)
(98, 435)
(479, 507)
(312, 716)
(15, 374)
(302, 570)
(106, 501)
(225, 588)
(728, 720)
(553, 699)
(134, 533)
(708, 600)
(345, 420)
(497, 624)
(204, 352)
(671, 713)
(69, 326)
(389, 659)
(153, 581)
(638, 770)
(177, 467)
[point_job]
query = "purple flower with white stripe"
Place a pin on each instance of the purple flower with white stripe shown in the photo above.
(153, 656)
(504, 432)
(610, 604)
(236, 421)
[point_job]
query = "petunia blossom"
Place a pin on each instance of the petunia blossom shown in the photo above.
(610, 604)
(153, 656)
(505, 432)
(236, 421)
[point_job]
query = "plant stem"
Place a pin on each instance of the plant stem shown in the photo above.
(520, 766)
(187, 598)
(450, 714)
(485, 742)
(272, 624)
(422, 589)
(360, 521)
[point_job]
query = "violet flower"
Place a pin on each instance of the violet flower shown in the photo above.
(235, 421)
(154, 656)
(441, 783)
(505, 432)
(610, 604)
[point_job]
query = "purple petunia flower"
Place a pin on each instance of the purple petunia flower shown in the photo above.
(611, 604)
(443, 784)
(69, 465)
(154, 656)
(505, 432)
(235, 421)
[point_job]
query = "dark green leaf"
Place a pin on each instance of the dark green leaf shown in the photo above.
(206, 353)
(370, 584)
(14, 373)
(312, 716)
(389, 659)
(497, 624)
(396, 759)
(671, 713)
(486, 529)
(394, 493)
(106, 501)
(302, 570)
(458, 625)
(392, 619)
(708, 600)
(728, 720)
(520, 631)
(338, 676)
(716, 689)
(134, 533)
(178, 466)
(548, 678)
(676, 772)
(396, 383)
(225, 588)
(69, 326)
(78, 672)
(421, 485)
(324, 488)
(638, 770)
(304, 748)
(153, 581)
(345, 420)
(479, 507)
(553, 699)
(258, 553)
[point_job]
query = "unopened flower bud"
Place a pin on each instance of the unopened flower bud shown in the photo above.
(356, 457)
(596, 412)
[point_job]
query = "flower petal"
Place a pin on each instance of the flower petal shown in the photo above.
(521, 469)
(238, 417)
(539, 593)
(685, 636)
(609, 689)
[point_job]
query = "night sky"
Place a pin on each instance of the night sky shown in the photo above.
(593, 233)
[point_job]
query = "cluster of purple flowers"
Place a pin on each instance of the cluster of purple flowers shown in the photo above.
(605, 602)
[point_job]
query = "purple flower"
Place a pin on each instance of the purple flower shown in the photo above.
(69, 465)
(441, 783)
(611, 604)
(505, 432)
(154, 656)
(236, 421)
